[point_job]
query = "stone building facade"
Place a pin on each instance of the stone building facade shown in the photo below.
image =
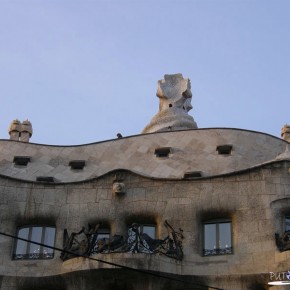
(175, 207)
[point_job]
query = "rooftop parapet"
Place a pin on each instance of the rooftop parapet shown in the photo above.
(174, 93)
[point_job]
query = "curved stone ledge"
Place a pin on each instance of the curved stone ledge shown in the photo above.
(144, 262)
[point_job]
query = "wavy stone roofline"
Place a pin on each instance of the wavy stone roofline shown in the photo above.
(136, 135)
(164, 155)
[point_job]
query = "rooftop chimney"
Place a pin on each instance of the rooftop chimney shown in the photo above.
(20, 131)
(285, 133)
(174, 93)
(26, 131)
(14, 130)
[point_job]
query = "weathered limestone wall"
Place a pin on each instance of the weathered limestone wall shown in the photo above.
(252, 200)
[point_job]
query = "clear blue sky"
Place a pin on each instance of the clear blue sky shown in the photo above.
(82, 71)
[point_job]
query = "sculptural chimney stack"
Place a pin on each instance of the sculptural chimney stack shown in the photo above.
(26, 131)
(174, 93)
(285, 133)
(14, 130)
(20, 131)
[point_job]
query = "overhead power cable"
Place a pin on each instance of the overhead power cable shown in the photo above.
(193, 285)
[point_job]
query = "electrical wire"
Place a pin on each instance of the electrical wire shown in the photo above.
(193, 285)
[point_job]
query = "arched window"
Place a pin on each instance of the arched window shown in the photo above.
(217, 239)
(39, 234)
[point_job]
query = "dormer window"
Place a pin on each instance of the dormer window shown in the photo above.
(224, 149)
(77, 164)
(192, 174)
(162, 152)
(45, 178)
(21, 160)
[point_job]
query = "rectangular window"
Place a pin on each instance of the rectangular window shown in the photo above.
(21, 160)
(224, 149)
(149, 230)
(162, 152)
(77, 164)
(217, 238)
(38, 234)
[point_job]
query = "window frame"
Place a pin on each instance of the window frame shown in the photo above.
(29, 255)
(217, 251)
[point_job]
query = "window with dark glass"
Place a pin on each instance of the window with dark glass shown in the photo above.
(39, 234)
(224, 149)
(21, 160)
(217, 238)
(162, 152)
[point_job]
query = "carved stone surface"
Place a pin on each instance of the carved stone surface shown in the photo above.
(190, 150)
(257, 199)
(175, 96)
(118, 187)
